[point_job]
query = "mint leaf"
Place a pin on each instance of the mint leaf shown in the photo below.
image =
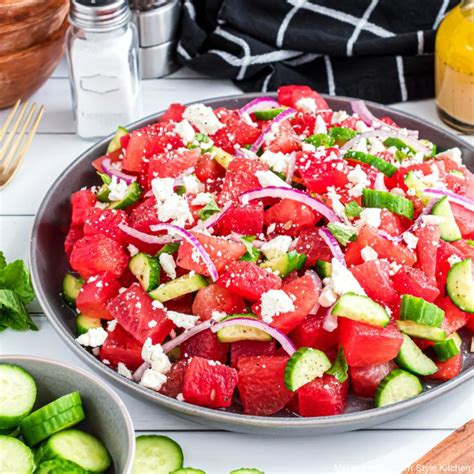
(352, 209)
(342, 232)
(208, 210)
(339, 368)
(3, 262)
(253, 254)
(16, 277)
(13, 313)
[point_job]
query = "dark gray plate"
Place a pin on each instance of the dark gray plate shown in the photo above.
(49, 264)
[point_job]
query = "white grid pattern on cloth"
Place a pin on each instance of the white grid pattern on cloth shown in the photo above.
(401, 78)
(359, 26)
(242, 43)
(441, 13)
(421, 41)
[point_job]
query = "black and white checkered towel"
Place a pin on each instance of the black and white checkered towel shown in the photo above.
(380, 50)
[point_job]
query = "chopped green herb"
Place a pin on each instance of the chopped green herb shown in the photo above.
(342, 232)
(352, 209)
(208, 210)
(339, 368)
(253, 254)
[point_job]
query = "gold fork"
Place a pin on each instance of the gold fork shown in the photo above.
(14, 143)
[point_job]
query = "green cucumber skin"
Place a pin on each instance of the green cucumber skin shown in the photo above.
(71, 445)
(460, 285)
(179, 287)
(188, 470)
(412, 359)
(413, 329)
(420, 311)
(156, 454)
(385, 394)
(449, 229)
(323, 269)
(15, 455)
(451, 347)
(267, 114)
(385, 200)
(305, 365)
(146, 270)
(71, 287)
(246, 470)
(133, 195)
(84, 323)
(59, 466)
(383, 166)
(114, 144)
(9, 421)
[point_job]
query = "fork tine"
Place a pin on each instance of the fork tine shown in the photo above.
(12, 113)
(24, 149)
(12, 132)
(19, 138)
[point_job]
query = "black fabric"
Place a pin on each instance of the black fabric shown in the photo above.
(379, 50)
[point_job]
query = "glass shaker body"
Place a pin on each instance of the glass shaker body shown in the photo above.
(454, 65)
(103, 68)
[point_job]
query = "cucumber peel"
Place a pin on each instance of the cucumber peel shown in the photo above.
(305, 365)
(460, 285)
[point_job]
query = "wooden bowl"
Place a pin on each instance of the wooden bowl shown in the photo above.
(22, 32)
(19, 10)
(23, 72)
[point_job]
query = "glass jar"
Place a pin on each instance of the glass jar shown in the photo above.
(102, 51)
(454, 65)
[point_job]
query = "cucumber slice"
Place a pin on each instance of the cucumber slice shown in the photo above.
(341, 135)
(412, 182)
(71, 287)
(146, 270)
(460, 285)
(305, 365)
(241, 332)
(396, 387)
(287, 263)
(323, 269)
(84, 323)
(449, 348)
(15, 432)
(385, 200)
(188, 470)
(157, 455)
(15, 457)
(246, 470)
(362, 309)
(411, 358)
(320, 139)
(178, 287)
(59, 466)
(457, 173)
(268, 114)
(423, 332)
(399, 145)
(78, 447)
(132, 196)
(222, 157)
(115, 142)
(17, 395)
(420, 311)
(171, 248)
(379, 163)
(62, 413)
(449, 229)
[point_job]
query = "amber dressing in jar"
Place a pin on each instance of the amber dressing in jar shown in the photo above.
(455, 68)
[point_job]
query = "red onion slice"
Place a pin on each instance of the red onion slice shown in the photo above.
(332, 243)
(286, 114)
(318, 286)
(294, 195)
(111, 170)
(415, 144)
(260, 103)
(359, 108)
(174, 229)
(184, 336)
(245, 153)
(145, 238)
(235, 237)
(291, 168)
(283, 339)
(330, 321)
(138, 374)
(463, 201)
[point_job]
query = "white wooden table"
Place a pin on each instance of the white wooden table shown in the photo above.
(387, 448)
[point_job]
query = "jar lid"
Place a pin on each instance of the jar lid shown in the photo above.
(99, 15)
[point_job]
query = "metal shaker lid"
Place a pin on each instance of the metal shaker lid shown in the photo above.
(99, 15)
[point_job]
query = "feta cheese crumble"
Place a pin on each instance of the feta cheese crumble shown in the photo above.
(94, 337)
(368, 254)
(278, 161)
(276, 247)
(168, 264)
(411, 240)
(269, 178)
(153, 379)
(162, 188)
(327, 297)
(369, 216)
(306, 104)
(185, 130)
(154, 355)
(124, 371)
(275, 302)
(202, 199)
(181, 320)
(192, 184)
(320, 126)
(132, 250)
(111, 325)
(118, 189)
(203, 118)
(342, 281)
(453, 259)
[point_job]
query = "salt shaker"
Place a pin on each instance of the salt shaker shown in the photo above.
(102, 51)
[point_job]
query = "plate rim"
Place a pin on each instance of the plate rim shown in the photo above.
(371, 416)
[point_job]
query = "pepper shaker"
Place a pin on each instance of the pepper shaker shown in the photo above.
(102, 51)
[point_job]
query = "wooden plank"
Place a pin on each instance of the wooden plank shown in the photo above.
(454, 453)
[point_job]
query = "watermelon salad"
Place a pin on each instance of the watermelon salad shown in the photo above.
(276, 257)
